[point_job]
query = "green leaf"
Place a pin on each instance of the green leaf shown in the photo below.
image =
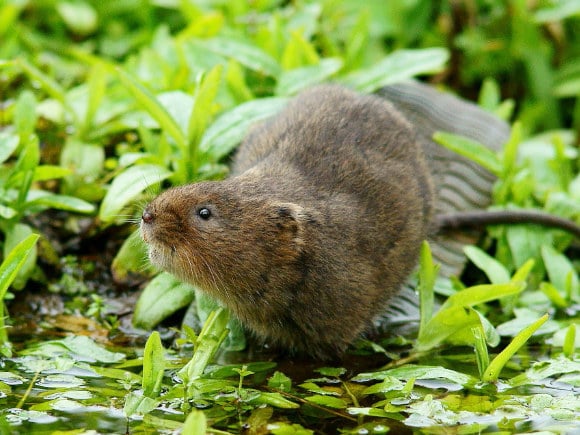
(86, 161)
(50, 86)
(8, 144)
(480, 346)
(557, 11)
(42, 199)
(526, 241)
(446, 323)
(495, 271)
(97, 85)
(396, 67)
(15, 234)
(25, 115)
(510, 150)
(163, 296)
(553, 294)
(229, 129)
(279, 381)
(154, 108)
(153, 366)
(80, 347)
(427, 275)
(497, 364)
(50, 172)
(470, 149)
(127, 186)
(274, 399)
(247, 54)
(329, 401)
(480, 294)
(79, 17)
(195, 423)
(561, 272)
(295, 80)
(331, 371)
(12, 263)
(136, 403)
(570, 341)
(205, 94)
(411, 371)
(213, 333)
(455, 318)
(129, 258)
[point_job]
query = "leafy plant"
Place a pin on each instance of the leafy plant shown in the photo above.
(106, 102)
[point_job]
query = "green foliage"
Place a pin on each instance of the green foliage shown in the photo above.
(9, 269)
(106, 102)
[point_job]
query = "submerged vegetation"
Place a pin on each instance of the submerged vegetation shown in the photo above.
(104, 103)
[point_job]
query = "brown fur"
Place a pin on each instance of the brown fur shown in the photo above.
(317, 228)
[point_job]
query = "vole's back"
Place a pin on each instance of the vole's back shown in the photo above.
(355, 167)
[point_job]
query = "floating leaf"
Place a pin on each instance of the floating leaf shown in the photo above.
(411, 371)
(80, 347)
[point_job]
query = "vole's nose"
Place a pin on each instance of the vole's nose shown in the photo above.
(147, 216)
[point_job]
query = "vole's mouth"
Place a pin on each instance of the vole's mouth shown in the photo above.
(161, 256)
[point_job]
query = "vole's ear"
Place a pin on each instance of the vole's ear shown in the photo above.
(289, 220)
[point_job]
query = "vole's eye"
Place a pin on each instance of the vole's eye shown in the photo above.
(204, 213)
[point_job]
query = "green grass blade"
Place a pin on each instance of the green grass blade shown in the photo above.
(569, 341)
(479, 294)
(97, 84)
(481, 354)
(427, 275)
(8, 272)
(499, 362)
(471, 149)
(13, 261)
(213, 333)
(150, 104)
(50, 86)
(202, 112)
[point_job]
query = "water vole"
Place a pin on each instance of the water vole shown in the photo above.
(317, 228)
(321, 221)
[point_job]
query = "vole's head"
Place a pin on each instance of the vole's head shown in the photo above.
(221, 239)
